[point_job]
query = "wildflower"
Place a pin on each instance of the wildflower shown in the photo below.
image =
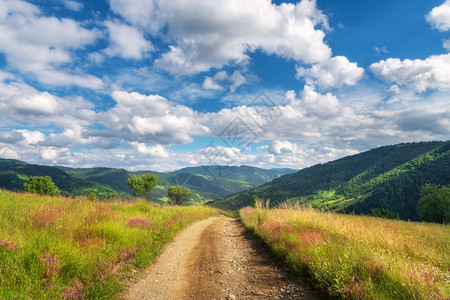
(7, 245)
(140, 222)
(51, 265)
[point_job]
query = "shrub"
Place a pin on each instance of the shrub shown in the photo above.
(42, 185)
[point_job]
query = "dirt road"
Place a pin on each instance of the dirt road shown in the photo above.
(217, 259)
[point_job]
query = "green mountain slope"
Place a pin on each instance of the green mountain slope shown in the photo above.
(387, 177)
(105, 181)
(14, 173)
(254, 176)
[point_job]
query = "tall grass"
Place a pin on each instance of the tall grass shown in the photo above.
(358, 257)
(60, 248)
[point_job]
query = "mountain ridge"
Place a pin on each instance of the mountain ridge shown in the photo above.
(387, 177)
(106, 181)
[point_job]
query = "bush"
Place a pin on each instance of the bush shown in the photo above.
(42, 185)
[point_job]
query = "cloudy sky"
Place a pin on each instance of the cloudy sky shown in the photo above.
(163, 84)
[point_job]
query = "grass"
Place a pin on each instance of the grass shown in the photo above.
(358, 257)
(60, 248)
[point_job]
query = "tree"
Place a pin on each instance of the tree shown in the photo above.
(42, 185)
(142, 184)
(434, 204)
(177, 194)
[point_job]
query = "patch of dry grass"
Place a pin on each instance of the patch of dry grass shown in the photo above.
(358, 257)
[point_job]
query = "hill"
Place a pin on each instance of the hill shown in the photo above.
(206, 186)
(388, 177)
(14, 173)
(254, 176)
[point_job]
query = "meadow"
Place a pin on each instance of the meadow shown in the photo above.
(61, 248)
(357, 257)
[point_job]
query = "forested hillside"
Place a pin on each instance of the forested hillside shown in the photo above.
(14, 173)
(206, 182)
(388, 177)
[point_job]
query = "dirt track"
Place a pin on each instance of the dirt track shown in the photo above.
(217, 259)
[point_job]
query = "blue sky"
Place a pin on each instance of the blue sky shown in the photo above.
(160, 85)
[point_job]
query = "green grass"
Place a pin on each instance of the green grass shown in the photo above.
(60, 248)
(358, 257)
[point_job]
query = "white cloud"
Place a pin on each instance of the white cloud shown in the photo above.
(138, 12)
(447, 44)
(32, 137)
(237, 80)
(73, 5)
(234, 81)
(335, 72)
(439, 16)
(380, 50)
(7, 152)
(26, 105)
(295, 155)
(210, 84)
(209, 34)
(126, 41)
(279, 147)
(52, 153)
(40, 104)
(43, 45)
(152, 118)
(431, 73)
(155, 151)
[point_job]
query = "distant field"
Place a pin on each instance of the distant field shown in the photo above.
(358, 257)
(60, 248)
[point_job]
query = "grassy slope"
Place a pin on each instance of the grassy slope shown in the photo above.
(15, 173)
(55, 247)
(386, 177)
(359, 257)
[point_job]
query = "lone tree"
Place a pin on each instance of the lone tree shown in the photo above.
(42, 185)
(177, 194)
(434, 205)
(142, 184)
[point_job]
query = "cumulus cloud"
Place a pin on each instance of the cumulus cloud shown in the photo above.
(152, 118)
(27, 105)
(235, 80)
(431, 73)
(439, 16)
(126, 41)
(209, 34)
(157, 151)
(42, 45)
(335, 72)
(295, 155)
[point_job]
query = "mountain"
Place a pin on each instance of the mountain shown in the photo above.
(106, 181)
(207, 182)
(388, 177)
(254, 176)
(14, 173)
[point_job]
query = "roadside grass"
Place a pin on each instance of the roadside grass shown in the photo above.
(61, 248)
(358, 257)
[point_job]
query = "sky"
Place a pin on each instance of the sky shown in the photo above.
(165, 84)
